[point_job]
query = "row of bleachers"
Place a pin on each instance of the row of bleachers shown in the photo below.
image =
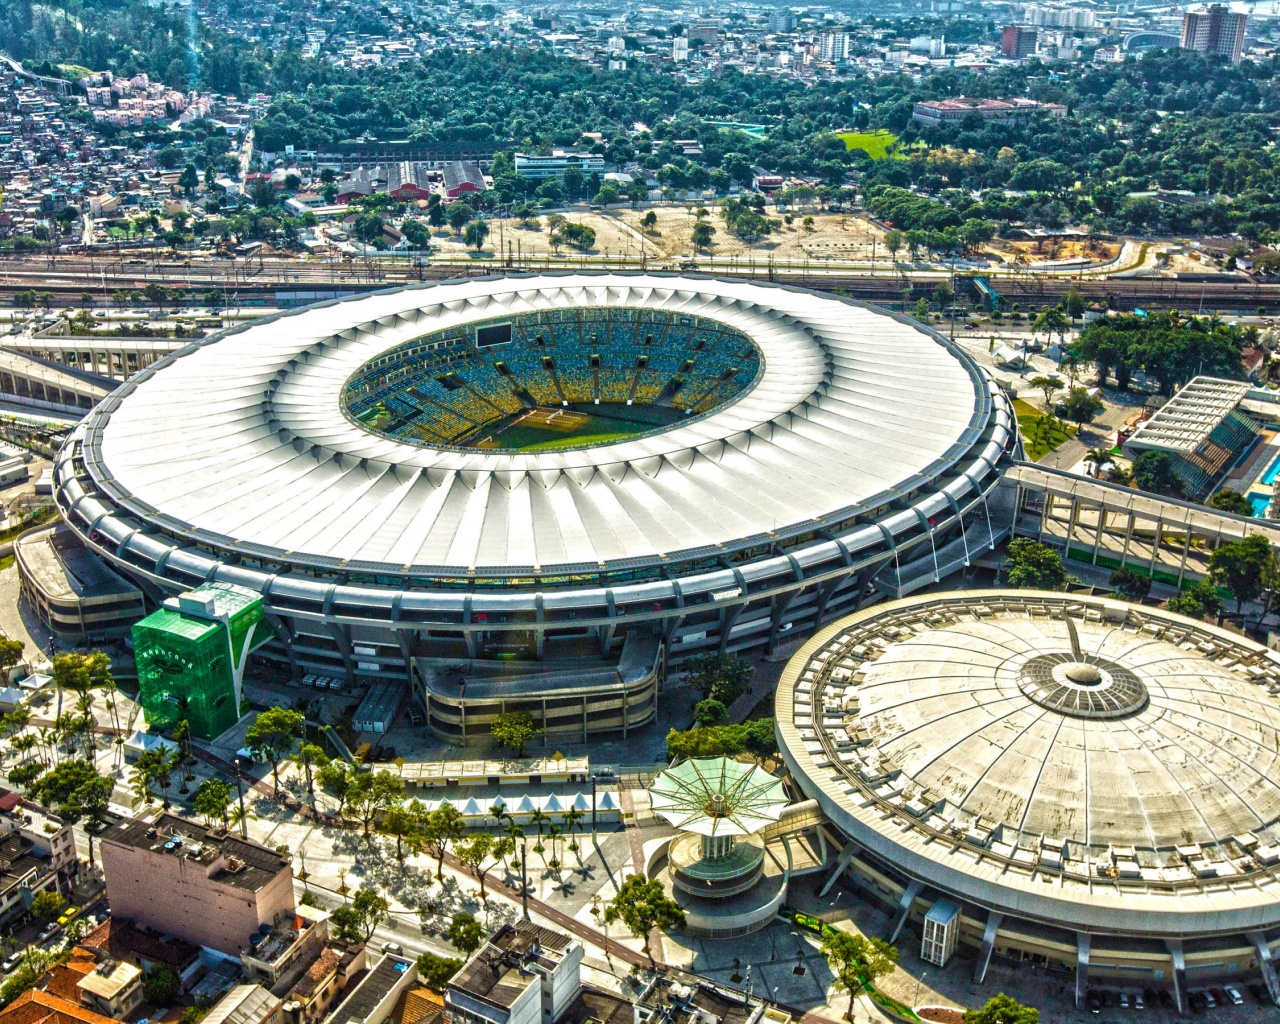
(615, 385)
(441, 386)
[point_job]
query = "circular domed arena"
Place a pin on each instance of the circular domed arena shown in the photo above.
(1085, 784)
(536, 492)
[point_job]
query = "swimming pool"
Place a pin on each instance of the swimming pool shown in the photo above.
(1273, 470)
(1259, 503)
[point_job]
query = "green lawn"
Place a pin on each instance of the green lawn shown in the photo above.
(577, 441)
(875, 143)
(1040, 438)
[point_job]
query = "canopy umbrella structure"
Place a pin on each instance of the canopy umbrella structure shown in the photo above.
(718, 798)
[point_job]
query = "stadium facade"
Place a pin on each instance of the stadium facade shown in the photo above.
(536, 492)
(1078, 783)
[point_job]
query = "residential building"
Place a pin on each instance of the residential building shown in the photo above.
(524, 974)
(782, 21)
(1018, 41)
(120, 939)
(292, 942)
(246, 1004)
(113, 988)
(680, 48)
(378, 994)
(833, 46)
(704, 30)
(38, 1007)
(1215, 29)
(48, 834)
(198, 883)
(325, 980)
(553, 165)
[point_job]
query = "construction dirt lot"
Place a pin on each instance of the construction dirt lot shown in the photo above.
(840, 236)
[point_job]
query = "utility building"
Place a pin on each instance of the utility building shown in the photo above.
(191, 656)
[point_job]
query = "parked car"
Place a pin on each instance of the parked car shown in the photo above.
(11, 961)
(1233, 995)
(1209, 1001)
(49, 932)
(1138, 1002)
(1095, 1004)
(1124, 1000)
(393, 947)
(68, 915)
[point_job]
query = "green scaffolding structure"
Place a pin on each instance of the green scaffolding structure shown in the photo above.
(191, 656)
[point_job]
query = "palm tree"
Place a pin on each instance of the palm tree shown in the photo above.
(1097, 457)
(572, 817)
(145, 774)
(553, 834)
(538, 818)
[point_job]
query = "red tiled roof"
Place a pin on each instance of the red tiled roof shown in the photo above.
(121, 938)
(36, 1007)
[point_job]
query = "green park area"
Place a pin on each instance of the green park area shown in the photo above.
(1041, 434)
(875, 144)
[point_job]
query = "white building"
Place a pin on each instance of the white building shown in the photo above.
(680, 48)
(524, 974)
(833, 46)
(535, 167)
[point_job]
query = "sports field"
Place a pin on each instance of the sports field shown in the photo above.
(874, 143)
(575, 426)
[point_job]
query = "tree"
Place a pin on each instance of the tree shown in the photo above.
(473, 852)
(436, 215)
(857, 962)
(373, 792)
(371, 910)
(1153, 471)
(47, 904)
(1073, 304)
(465, 933)
(1002, 1009)
(337, 779)
(641, 905)
(435, 971)
(475, 234)
(702, 233)
(212, 800)
(1048, 386)
(893, 242)
(272, 736)
(78, 792)
(1238, 566)
(649, 222)
(1034, 565)
(710, 712)
(513, 730)
(310, 758)
(458, 216)
(719, 677)
(1130, 583)
(162, 986)
(1231, 501)
(1080, 407)
(440, 828)
(1196, 601)
(1052, 321)
(10, 652)
(400, 822)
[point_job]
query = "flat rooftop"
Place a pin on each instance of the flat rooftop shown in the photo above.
(248, 865)
(62, 567)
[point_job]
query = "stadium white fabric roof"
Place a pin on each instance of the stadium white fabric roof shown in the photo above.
(244, 437)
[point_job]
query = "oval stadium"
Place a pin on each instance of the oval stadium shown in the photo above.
(1070, 781)
(537, 492)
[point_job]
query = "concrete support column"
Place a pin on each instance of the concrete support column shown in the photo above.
(1266, 965)
(1174, 946)
(1083, 942)
(904, 908)
(988, 947)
